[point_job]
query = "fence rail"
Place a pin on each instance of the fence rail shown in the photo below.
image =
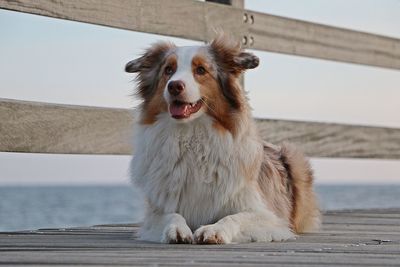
(50, 128)
(197, 20)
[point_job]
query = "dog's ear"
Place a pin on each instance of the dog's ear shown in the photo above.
(133, 65)
(150, 58)
(229, 55)
(246, 60)
(147, 66)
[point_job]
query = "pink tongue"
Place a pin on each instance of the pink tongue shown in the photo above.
(179, 110)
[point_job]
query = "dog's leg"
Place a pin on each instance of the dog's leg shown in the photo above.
(244, 227)
(166, 228)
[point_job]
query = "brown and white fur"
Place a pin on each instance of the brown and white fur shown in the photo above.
(205, 172)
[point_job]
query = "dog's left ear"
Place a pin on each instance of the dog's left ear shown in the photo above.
(228, 54)
(246, 60)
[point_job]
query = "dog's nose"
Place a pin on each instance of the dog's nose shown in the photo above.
(175, 87)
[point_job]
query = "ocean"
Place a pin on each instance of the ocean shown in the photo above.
(35, 207)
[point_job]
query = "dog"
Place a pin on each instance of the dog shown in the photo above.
(206, 174)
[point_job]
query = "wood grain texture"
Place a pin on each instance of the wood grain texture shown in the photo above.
(50, 128)
(198, 20)
(295, 37)
(187, 19)
(334, 140)
(117, 245)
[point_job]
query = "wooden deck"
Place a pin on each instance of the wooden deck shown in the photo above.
(349, 238)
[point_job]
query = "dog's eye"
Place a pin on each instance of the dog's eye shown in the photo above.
(168, 70)
(200, 70)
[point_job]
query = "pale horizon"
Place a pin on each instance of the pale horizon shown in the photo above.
(49, 169)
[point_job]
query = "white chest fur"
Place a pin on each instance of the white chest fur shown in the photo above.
(193, 170)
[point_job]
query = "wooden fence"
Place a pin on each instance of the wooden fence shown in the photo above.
(49, 128)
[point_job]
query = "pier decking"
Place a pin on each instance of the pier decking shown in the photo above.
(348, 238)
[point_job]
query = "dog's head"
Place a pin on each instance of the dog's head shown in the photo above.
(188, 82)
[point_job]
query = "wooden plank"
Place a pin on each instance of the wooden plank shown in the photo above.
(186, 19)
(198, 20)
(100, 246)
(295, 37)
(196, 259)
(334, 140)
(51, 128)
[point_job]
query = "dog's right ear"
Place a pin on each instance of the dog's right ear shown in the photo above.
(133, 65)
(150, 58)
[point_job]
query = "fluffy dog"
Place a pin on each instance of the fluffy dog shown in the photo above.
(206, 174)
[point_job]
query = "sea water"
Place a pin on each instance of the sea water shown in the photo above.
(34, 207)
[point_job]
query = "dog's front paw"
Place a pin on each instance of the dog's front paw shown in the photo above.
(177, 234)
(211, 234)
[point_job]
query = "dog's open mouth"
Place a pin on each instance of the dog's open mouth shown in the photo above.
(183, 110)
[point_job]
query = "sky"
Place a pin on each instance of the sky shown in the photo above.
(49, 60)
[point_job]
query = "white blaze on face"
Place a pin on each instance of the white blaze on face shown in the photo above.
(184, 73)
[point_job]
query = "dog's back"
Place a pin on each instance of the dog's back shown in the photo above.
(286, 183)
